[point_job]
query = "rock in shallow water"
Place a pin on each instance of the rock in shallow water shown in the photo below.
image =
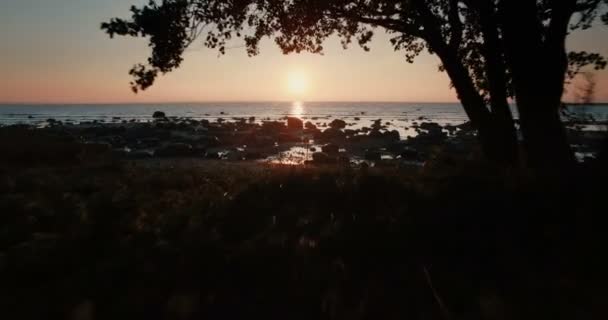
(159, 115)
(294, 123)
(332, 134)
(338, 124)
(392, 135)
(309, 125)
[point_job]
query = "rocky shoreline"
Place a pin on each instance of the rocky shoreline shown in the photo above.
(287, 141)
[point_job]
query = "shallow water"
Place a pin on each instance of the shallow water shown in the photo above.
(395, 115)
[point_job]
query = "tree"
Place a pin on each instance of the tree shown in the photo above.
(492, 50)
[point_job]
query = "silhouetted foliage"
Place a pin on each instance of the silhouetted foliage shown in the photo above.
(492, 50)
(226, 241)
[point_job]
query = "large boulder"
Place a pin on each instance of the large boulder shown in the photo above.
(331, 148)
(377, 124)
(159, 115)
(430, 126)
(310, 126)
(376, 134)
(392, 136)
(338, 124)
(294, 123)
(332, 134)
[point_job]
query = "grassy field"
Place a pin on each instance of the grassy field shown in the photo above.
(192, 239)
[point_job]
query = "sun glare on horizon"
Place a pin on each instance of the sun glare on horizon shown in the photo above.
(297, 84)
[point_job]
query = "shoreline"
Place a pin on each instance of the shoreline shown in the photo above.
(289, 140)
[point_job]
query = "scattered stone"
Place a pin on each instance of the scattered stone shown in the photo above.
(430, 126)
(309, 125)
(451, 129)
(376, 134)
(332, 134)
(159, 115)
(392, 135)
(338, 124)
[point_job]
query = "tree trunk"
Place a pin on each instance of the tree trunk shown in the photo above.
(538, 70)
(497, 139)
(496, 71)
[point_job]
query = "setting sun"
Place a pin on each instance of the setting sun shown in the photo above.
(297, 83)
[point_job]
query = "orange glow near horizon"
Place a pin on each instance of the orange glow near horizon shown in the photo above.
(54, 52)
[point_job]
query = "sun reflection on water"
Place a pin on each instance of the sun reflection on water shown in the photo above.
(297, 109)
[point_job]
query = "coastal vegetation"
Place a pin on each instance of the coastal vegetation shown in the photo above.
(492, 51)
(205, 213)
(182, 238)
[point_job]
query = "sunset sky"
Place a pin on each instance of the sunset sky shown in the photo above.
(53, 51)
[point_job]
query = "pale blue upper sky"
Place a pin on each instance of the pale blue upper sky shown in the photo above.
(53, 51)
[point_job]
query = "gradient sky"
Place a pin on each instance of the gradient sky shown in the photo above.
(52, 51)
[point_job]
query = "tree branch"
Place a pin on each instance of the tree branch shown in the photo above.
(455, 24)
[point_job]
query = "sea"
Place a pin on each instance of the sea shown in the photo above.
(396, 115)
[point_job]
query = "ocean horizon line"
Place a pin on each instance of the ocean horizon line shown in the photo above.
(2, 103)
(220, 102)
